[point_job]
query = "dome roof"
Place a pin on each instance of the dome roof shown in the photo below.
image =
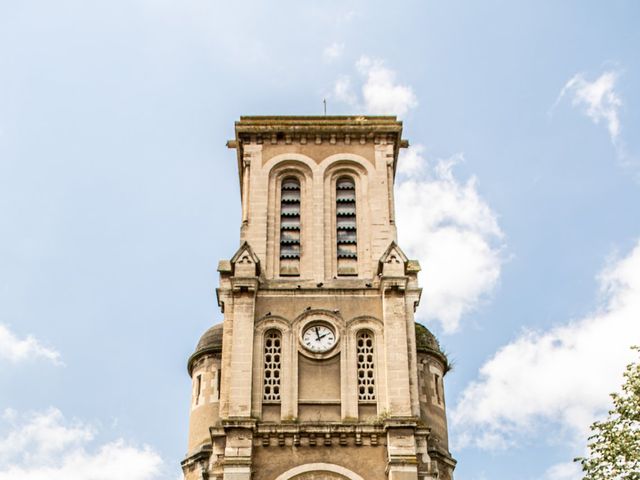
(210, 342)
(426, 342)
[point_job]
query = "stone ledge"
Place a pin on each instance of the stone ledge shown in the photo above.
(201, 456)
(318, 435)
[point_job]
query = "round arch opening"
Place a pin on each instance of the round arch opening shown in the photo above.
(319, 471)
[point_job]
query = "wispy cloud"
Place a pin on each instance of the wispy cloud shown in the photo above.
(564, 471)
(44, 445)
(598, 100)
(343, 91)
(379, 91)
(333, 51)
(17, 350)
(382, 93)
(454, 234)
(562, 376)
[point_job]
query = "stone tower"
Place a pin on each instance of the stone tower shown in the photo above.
(318, 370)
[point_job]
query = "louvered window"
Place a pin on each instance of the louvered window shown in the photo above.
(366, 371)
(346, 228)
(272, 363)
(290, 227)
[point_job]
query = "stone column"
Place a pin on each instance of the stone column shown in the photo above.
(241, 359)
(237, 353)
(238, 449)
(402, 460)
(400, 427)
(395, 336)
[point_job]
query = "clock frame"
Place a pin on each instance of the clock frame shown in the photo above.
(322, 324)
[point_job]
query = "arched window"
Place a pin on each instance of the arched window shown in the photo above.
(366, 367)
(290, 227)
(272, 364)
(346, 227)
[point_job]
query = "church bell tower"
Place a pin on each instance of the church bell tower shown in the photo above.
(318, 371)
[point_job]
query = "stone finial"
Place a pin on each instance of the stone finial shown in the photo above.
(393, 262)
(245, 262)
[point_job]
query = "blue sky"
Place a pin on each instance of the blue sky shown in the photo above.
(118, 197)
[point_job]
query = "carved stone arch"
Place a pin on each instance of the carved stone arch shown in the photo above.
(345, 167)
(272, 321)
(319, 471)
(332, 317)
(293, 157)
(317, 311)
(292, 166)
(346, 158)
(365, 322)
(302, 168)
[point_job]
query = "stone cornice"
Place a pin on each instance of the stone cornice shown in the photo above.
(354, 126)
(362, 129)
(201, 456)
(443, 456)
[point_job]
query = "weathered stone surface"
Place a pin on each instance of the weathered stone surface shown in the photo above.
(315, 423)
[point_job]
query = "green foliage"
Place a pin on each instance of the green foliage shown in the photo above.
(381, 417)
(614, 447)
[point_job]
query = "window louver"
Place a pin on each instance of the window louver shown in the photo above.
(346, 227)
(290, 227)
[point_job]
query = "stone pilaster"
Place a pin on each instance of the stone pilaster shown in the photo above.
(238, 449)
(402, 462)
(397, 361)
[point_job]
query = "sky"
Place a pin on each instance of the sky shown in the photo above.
(519, 195)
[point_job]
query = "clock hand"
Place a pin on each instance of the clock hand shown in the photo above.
(318, 337)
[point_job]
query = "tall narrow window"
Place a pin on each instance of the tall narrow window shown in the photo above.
(436, 386)
(198, 388)
(272, 363)
(346, 234)
(366, 372)
(290, 227)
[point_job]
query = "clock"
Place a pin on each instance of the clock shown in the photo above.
(318, 338)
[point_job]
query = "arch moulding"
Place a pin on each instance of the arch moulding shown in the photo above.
(298, 472)
(292, 160)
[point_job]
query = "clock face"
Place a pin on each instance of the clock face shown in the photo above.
(318, 338)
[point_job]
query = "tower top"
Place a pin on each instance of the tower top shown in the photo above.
(347, 129)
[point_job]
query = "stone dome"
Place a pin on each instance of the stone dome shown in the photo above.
(210, 342)
(426, 342)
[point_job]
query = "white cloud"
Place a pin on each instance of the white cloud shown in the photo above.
(343, 92)
(380, 93)
(16, 350)
(449, 227)
(44, 446)
(564, 471)
(598, 99)
(561, 377)
(333, 51)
